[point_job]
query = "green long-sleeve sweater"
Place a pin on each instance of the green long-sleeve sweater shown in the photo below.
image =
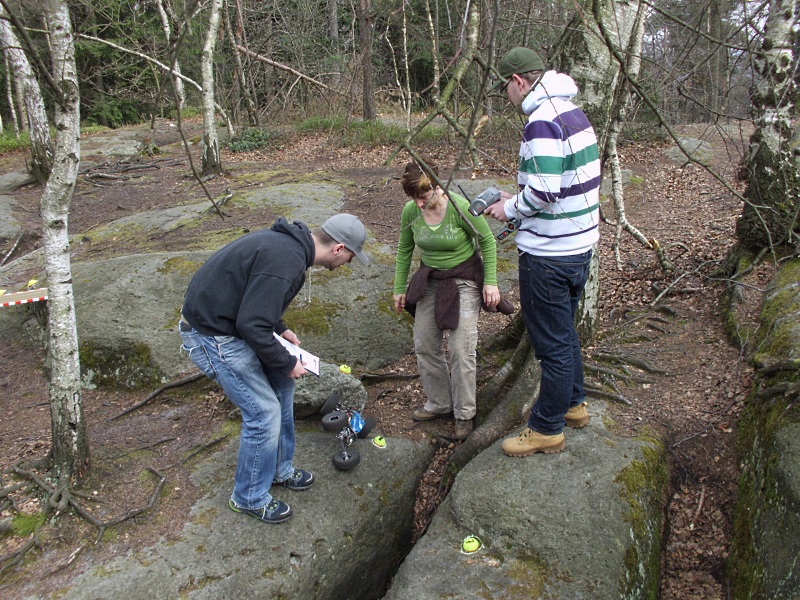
(445, 245)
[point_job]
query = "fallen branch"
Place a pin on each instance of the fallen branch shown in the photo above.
(699, 508)
(784, 388)
(786, 364)
(202, 447)
(14, 247)
(164, 387)
(506, 415)
(598, 391)
(378, 377)
(67, 562)
(283, 67)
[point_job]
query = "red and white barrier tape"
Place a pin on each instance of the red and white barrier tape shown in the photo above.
(18, 298)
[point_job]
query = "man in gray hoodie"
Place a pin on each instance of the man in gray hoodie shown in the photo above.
(232, 312)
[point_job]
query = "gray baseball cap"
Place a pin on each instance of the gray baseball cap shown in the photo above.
(348, 230)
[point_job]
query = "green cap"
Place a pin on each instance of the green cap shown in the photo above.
(516, 61)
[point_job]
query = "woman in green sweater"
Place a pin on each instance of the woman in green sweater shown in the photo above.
(445, 293)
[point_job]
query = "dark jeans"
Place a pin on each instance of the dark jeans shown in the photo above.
(550, 289)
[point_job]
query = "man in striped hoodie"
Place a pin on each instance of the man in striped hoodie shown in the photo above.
(557, 205)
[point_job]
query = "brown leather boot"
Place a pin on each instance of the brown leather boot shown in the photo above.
(577, 416)
(530, 442)
(425, 415)
(463, 428)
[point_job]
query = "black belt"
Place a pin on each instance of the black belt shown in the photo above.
(184, 326)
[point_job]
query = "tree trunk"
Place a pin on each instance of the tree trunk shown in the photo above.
(70, 440)
(717, 67)
(41, 144)
(333, 23)
(583, 55)
(366, 23)
(180, 93)
(212, 163)
(773, 184)
(252, 113)
(458, 75)
(10, 95)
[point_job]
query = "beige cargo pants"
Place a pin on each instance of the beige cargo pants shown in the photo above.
(448, 376)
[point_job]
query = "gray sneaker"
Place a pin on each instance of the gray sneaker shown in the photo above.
(297, 481)
(274, 512)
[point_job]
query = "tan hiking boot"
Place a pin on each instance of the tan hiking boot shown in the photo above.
(577, 416)
(425, 415)
(530, 442)
(463, 428)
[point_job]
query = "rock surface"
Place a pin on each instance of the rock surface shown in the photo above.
(344, 540)
(584, 523)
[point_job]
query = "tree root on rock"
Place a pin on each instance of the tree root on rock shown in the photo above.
(630, 360)
(166, 386)
(505, 415)
(61, 498)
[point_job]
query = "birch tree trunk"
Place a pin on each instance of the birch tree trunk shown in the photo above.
(212, 163)
(10, 95)
(31, 94)
(180, 93)
(70, 440)
(582, 54)
(770, 215)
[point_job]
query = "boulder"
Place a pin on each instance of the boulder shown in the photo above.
(699, 150)
(584, 523)
(128, 307)
(765, 557)
(10, 227)
(344, 540)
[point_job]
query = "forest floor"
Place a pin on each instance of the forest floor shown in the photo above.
(686, 379)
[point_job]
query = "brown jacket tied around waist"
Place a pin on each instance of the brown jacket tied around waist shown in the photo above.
(446, 303)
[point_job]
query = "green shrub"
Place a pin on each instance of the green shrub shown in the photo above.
(320, 124)
(254, 139)
(115, 112)
(369, 133)
(9, 142)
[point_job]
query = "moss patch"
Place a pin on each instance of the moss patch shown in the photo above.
(758, 424)
(132, 368)
(313, 318)
(643, 486)
(181, 265)
(528, 575)
(24, 525)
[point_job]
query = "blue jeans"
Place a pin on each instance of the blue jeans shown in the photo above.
(550, 289)
(266, 399)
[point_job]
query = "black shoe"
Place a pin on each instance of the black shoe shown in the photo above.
(274, 512)
(297, 481)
